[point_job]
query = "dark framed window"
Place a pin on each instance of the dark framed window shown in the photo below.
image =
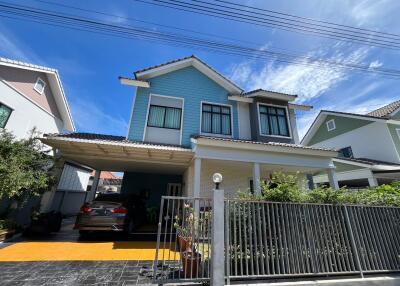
(346, 152)
(164, 117)
(5, 113)
(273, 121)
(216, 119)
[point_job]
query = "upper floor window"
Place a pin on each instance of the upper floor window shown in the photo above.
(5, 113)
(216, 119)
(39, 85)
(164, 117)
(346, 152)
(273, 121)
(331, 125)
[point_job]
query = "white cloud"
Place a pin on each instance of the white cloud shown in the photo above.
(307, 80)
(375, 64)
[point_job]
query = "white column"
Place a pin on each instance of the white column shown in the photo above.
(372, 181)
(95, 184)
(333, 181)
(256, 179)
(197, 177)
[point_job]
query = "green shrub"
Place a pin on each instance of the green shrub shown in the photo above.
(288, 188)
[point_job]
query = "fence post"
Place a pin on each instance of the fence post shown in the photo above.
(353, 243)
(217, 241)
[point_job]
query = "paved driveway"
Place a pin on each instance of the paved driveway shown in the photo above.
(63, 259)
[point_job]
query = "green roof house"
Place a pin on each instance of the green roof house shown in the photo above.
(368, 144)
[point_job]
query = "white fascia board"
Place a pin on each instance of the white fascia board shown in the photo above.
(394, 112)
(347, 162)
(313, 128)
(394, 122)
(133, 82)
(264, 147)
(61, 100)
(48, 140)
(300, 107)
(273, 95)
(55, 85)
(186, 63)
(374, 167)
(240, 98)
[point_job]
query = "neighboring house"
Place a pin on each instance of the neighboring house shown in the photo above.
(108, 182)
(188, 122)
(369, 145)
(32, 96)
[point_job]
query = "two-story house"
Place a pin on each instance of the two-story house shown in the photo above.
(369, 145)
(188, 121)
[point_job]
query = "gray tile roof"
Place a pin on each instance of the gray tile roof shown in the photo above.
(386, 110)
(297, 146)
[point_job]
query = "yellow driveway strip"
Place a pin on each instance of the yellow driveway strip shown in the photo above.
(59, 251)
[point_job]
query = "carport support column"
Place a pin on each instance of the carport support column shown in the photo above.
(333, 181)
(256, 179)
(95, 184)
(196, 177)
(372, 181)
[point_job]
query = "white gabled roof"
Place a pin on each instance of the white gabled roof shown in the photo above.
(186, 62)
(55, 85)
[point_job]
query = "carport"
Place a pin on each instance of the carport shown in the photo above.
(150, 170)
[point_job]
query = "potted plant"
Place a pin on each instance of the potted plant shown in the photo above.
(185, 228)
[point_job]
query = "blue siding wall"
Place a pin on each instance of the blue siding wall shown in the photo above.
(194, 87)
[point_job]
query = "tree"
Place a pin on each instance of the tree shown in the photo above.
(24, 167)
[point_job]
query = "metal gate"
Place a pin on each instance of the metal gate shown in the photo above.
(183, 240)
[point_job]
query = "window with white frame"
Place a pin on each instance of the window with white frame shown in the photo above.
(331, 125)
(164, 117)
(5, 113)
(216, 119)
(39, 85)
(273, 121)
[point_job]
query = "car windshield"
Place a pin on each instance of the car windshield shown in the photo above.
(117, 198)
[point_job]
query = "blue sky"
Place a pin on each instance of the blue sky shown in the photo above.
(89, 64)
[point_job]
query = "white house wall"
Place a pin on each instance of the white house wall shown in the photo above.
(74, 179)
(235, 177)
(26, 115)
(372, 141)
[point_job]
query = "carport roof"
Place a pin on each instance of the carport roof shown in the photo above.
(116, 153)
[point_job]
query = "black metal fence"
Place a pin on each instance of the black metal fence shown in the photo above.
(266, 239)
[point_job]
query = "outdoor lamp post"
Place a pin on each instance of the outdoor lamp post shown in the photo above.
(217, 179)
